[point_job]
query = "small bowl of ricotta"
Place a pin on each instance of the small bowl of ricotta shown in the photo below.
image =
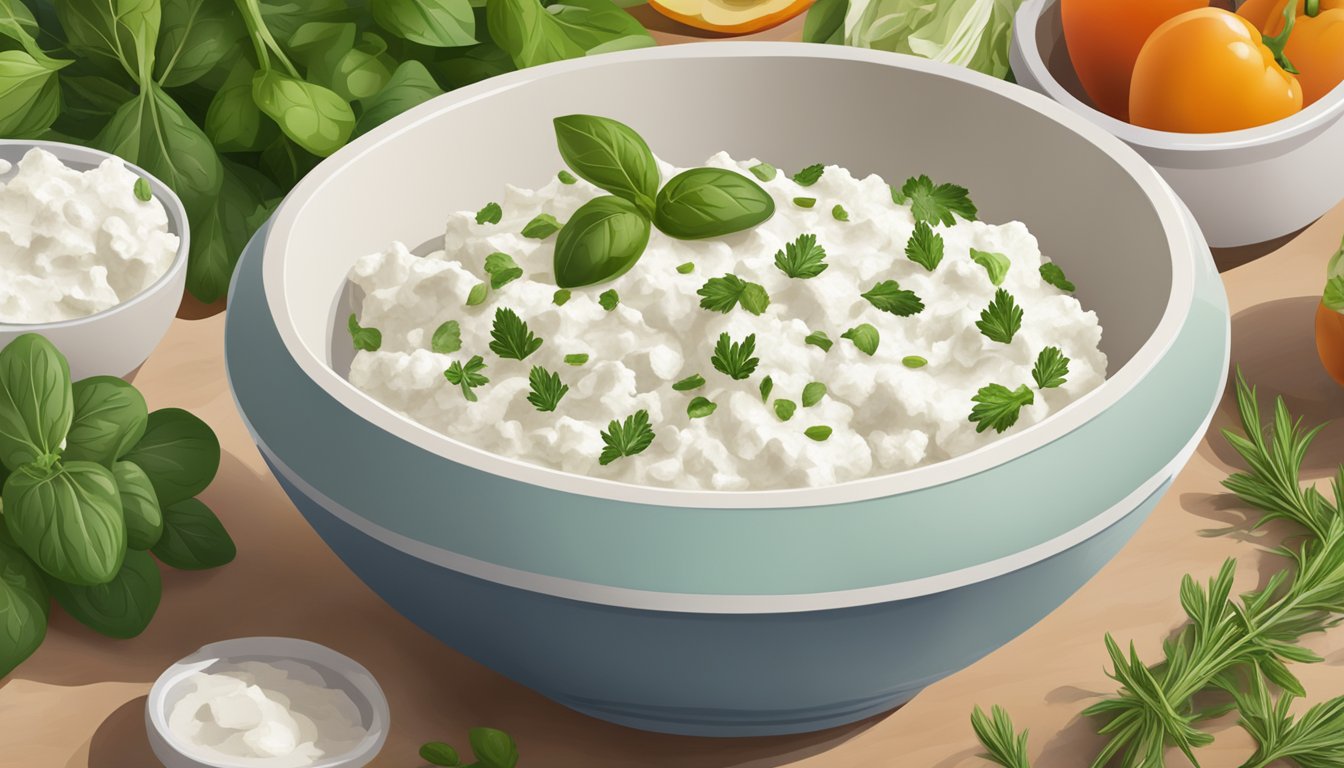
(93, 254)
(266, 702)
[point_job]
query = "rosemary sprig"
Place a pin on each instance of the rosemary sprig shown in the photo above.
(1316, 740)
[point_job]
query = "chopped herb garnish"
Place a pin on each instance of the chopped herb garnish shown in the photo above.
(996, 264)
(560, 297)
(609, 299)
(763, 171)
(888, 296)
(142, 191)
(490, 214)
(821, 433)
(566, 177)
(767, 386)
(804, 202)
(813, 393)
(510, 337)
(579, 358)
(1052, 274)
(1051, 369)
(686, 268)
(936, 203)
(1002, 319)
(998, 407)
(784, 409)
(819, 339)
(541, 227)
(502, 269)
(694, 381)
(865, 337)
(809, 175)
(366, 339)
(897, 196)
(754, 299)
(839, 213)
(914, 361)
(468, 376)
(447, 338)
(1333, 296)
(721, 294)
(803, 258)
(700, 407)
(925, 247)
(626, 439)
(477, 295)
(547, 389)
(733, 359)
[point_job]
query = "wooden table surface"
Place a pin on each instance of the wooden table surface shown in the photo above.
(80, 700)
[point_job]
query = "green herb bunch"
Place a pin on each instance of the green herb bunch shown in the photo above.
(1236, 649)
(93, 483)
(231, 102)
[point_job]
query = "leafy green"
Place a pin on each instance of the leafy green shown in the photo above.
(914, 361)
(819, 339)
(865, 337)
(803, 258)
(626, 439)
(599, 26)
(784, 409)
(995, 264)
(735, 359)
(410, 85)
(23, 609)
(438, 753)
(700, 407)
(36, 401)
(560, 297)
(468, 376)
(1051, 369)
(820, 433)
(510, 337)
(1333, 295)
(767, 386)
(447, 338)
(502, 269)
(314, 117)
(580, 358)
(477, 295)
(609, 300)
(68, 519)
(195, 36)
(193, 538)
(139, 505)
(825, 22)
(123, 32)
(925, 247)
(812, 393)
(1054, 275)
(721, 294)
(493, 748)
(888, 296)
(809, 175)
(606, 153)
(710, 202)
(365, 339)
(179, 452)
(763, 171)
(30, 94)
(541, 227)
(936, 204)
(969, 33)
(1002, 319)
(1003, 745)
(490, 214)
(436, 23)
(110, 417)
(601, 241)
(998, 407)
(233, 121)
(547, 389)
(694, 381)
(122, 607)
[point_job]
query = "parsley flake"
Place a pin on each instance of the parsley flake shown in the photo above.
(490, 214)
(468, 376)
(998, 407)
(686, 268)
(819, 339)
(925, 247)
(784, 409)
(566, 177)
(721, 294)
(804, 202)
(996, 264)
(1002, 319)
(802, 259)
(541, 227)
(767, 386)
(477, 295)
(1051, 369)
(1333, 296)
(560, 297)
(502, 269)
(763, 171)
(366, 339)
(914, 361)
(447, 338)
(1052, 274)
(733, 359)
(839, 213)
(936, 203)
(579, 358)
(700, 407)
(547, 389)
(813, 393)
(888, 296)
(626, 439)
(821, 433)
(609, 299)
(510, 337)
(809, 175)
(865, 337)
(142, 191)
(694, 381)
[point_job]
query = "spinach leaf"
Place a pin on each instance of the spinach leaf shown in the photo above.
(233, 121)
(36, 404)
(23, 609)
(193, 538)
(110, 417)
(88, 102)
(319, 46)
(472, 65)
(410, 85)
(315, 118)
(610, 155)
(124, 31)
(195, 36)
(30, 95)
(17, 24)
(284, 17)
(710, 202)
(364, 69)
(601, 241)
(225, 229)
(122, 607)
(68, 520)
(180, 454)
(286, 162)
(825, 22)
(139, 505)
(529, 34)
(598, 26)
(438, 23)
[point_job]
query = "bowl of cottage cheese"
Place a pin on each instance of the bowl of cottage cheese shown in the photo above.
(831, 393)
(93, 254)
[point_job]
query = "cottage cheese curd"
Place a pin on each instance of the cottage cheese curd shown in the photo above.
(885, 416)
(75, 243)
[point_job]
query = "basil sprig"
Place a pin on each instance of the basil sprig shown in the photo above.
(710, 202)
(601, 241)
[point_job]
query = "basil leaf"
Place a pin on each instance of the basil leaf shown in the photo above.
(437, 23)
(110, 417)
(122, 607)
(193, 538)
(30, 95)
(601, 241)
(222, 232)
(233, 121)
(180, 454)
(438, 753)
(411, 85)
(139, 505)
(472, 65)
(598, 26)
(609, 155)
(87, 103)
(36, 404)
(23, 609)
(319, 46)
(124, 31)
(710, 202)
(17, 24)
(314, 117)
(284, 17)
(530, 35)
(825, 22)
(494, 749)
(68, 520)
(195, 36)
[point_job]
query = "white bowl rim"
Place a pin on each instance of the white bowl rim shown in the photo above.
(1175, 223)
(1313, 118)
(244, 648)
(167, 197)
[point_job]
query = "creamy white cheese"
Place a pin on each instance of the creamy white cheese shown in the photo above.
(885, 417)
(76, 243)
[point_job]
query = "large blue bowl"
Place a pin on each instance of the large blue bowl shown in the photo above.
(735, 613)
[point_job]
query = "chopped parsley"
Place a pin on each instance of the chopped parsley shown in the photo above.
(541, 227)
(1002, 319)
(579, 358)
(468, 376)
(477, 295)
(490, 214)
(694, 381)
(1052, 274)
(925, 247)
(767, 386)
(804, 202)
(763, 171)
(803, 258)
(888, 296)
(1051, 369)
(997, 407)
(700, 407)
(609, 299)
(686, 268)
(721, 294)
(447, 338)
(813, 393)
(935, 203)
(821, 433)
(142, 191)
(819, 339)
(839, 213)
(566, 177)
(809, 175)
(510, 337)
(1333, 296)
(547, 389)
(561, 296)
(626, 439)
(914, 361)
(996, 264)
(366, 339)
(865, 337)
(784, 409)
(502, 269)
(733, 359)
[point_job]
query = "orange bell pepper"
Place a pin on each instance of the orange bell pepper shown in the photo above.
(1208, 71)
(1316, 46)
(1104, 38)
(1330, 319)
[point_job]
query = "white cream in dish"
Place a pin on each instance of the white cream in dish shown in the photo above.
(76, 243)
(884, 415)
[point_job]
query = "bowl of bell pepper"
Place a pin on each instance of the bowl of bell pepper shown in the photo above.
(1240, 111)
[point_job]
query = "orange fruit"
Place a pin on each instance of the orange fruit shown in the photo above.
(728, 17)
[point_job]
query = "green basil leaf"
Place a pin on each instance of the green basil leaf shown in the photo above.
(710, 202)
(825, 22)
(68, 520)
(88, 102)
(17, 24)
(410, 85)
(609, 155)
(195, 36)
(109, 418)
(601, 241)
(284, 17)
(139, 505)
(234, 121)
(36, 403)
(530, 35)
(315, 118)
(438, 753)
(30, 95)
(437, 23)
(319, 47)
(179, 452)
(23, 609)
(494, 749)
(122, 607)
(364, 69)
(222, 232)
(193, 538)
(124, 31)
(599, 26)
(472, 65)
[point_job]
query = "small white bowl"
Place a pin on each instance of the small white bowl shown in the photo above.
(117, 340)
(337, 670)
